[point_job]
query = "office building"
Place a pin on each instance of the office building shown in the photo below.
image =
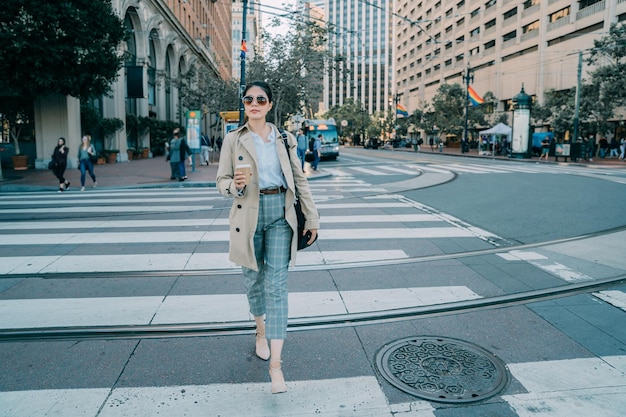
(503, 43)
(362, 49)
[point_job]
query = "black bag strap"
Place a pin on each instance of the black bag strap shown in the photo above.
(285, 141)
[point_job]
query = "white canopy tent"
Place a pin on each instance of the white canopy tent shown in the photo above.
(499, 130)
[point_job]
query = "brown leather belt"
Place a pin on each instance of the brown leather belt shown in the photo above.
(276, 190)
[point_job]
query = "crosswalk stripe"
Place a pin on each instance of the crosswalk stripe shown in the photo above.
(164, 199)
(135, 192)
(368, 171)
(51, 264)
(121, 224)
(107, 209)
(216, 236)
(547, 386)
(168, 208)
(213, 308)
(599, 388)
(362, 396)
(429, 168)
(396, 170)
(614, 297)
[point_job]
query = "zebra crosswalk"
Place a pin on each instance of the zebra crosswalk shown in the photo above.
(472, 169)
(186, 230)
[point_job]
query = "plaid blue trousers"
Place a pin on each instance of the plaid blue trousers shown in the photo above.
(267, 288)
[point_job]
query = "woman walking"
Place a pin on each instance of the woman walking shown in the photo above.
(59, 162)
(85, 152)
(264, 180)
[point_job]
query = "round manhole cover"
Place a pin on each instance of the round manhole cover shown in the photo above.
(442, 369)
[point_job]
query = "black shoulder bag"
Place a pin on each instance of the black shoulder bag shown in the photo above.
(303, 241)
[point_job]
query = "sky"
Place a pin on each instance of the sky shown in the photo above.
(281, 30)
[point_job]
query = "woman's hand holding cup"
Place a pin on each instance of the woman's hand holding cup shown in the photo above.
(242, 176)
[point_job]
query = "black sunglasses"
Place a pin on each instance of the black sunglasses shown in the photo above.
(260, 100)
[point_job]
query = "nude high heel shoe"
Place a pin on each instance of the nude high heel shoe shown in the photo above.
(262, 348)
(277, 377)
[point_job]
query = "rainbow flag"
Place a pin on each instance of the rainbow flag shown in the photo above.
(401, 110)
(474, 97)
(244, 48)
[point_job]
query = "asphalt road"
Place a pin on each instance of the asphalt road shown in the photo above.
(392, 238)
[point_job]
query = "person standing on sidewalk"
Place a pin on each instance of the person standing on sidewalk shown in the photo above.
(174, 156)
(86, 152)
(59, 162)
(264, 181)
(317, 151)
(301, 146)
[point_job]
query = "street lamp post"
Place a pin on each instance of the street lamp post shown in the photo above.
(468, 78)
(242, 55)
(520, 136)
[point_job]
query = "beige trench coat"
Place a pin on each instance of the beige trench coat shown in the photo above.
(237, 149)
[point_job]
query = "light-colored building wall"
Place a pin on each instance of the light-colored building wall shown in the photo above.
(362, 46)
(505, 43)
(165, 38)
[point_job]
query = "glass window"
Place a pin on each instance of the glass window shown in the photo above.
(553, 17)
(510, 13)
(510, 35)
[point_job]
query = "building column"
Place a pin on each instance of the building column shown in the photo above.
(56, 116)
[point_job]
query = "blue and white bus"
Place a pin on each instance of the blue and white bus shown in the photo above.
(330, 138)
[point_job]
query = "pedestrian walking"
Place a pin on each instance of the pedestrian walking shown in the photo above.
(317, 151)
(256, 171)
(185, 155)
(545, 149)
(174, 156)
(86, 156)
(302, 145)
(614, 148)
(59, 164)
(204, 149)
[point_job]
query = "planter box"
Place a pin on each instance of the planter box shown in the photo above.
(20, 162)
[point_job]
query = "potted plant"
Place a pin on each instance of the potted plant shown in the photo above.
(15, 115)
(101, 158)
(109, 126)
(131, 153)
(111, 155)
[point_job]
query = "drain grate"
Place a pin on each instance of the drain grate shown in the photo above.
(442, 369)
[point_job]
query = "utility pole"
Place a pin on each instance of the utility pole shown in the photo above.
(578, 87)
(396, 100)
(242, 55)
(468, 78)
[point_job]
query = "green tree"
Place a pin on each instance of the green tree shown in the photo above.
(293, 64)
(557, 110)
(354, 113)
(604, 91)
(65, 47)
(202, 89)
(609, 78)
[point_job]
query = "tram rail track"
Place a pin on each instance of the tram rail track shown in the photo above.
(308, 323)
(317, 322)
(320, 267)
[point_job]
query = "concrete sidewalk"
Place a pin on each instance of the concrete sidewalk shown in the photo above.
(141, 173)
(155, 172)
